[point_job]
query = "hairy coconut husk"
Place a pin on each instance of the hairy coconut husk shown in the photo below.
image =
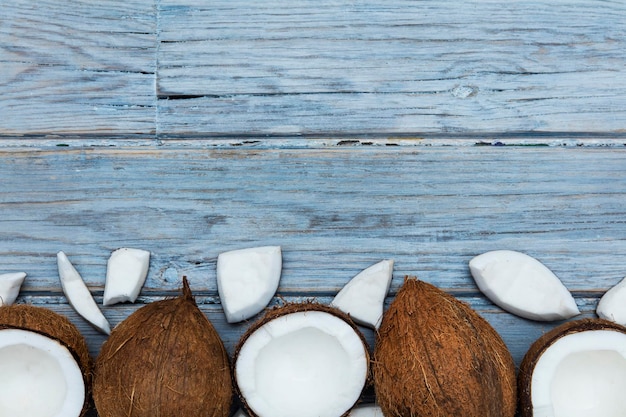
(57, 327)
(290, 308)
(165, 360)
(435, 356)
(542, 344)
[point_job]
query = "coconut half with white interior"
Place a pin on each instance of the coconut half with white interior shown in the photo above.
(45, 367)
(578, 369)
(305, 360)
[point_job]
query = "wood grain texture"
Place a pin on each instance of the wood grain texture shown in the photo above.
(334, 212)
(77, 67)
(234, 67)
(180, 68)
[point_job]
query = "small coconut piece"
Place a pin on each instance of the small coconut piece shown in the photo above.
(577, 369)
(305, 360)
(247, 280)
(127, 270)
(363, 297)
(612, 305)
(366, 410)
(435, 356)
(10, 285)
(44, 362)
(165, 359)
(522, 285)
(240, 413)
(79, 296)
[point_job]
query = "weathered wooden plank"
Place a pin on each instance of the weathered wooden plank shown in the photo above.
(232, 67)
(77, 67)
(334, 211)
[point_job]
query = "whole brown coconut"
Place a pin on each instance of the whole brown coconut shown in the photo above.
(164, 360)
(548, 340)
(313, 386)
(54, 326)
(435, 356)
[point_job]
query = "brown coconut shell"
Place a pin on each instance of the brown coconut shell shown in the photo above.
(57, 327)
(167, 360)
(542, 344)
(435, 356)
(280, 311)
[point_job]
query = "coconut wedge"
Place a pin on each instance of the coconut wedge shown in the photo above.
(578, 369)
(10, 285)
(247, 280)
(44, 364)
(127, 270)
(364, 295)
(612, 305)
(305, 360)
(79, 296)
(522, 285)
(366, 410)
(435, 356)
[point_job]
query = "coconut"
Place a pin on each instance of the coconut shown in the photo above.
(577, 369)
(42, 352)
(302, 359)
(166, 360)
(435, 356)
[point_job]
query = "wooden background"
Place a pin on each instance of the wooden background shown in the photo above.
(345, 132)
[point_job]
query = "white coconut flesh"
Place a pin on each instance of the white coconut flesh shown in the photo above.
(522, 285)
(79, 296)
(306, 364)
(10, 285)
(363, 297)
(127, 269)
(581, 375)
(39, 377)
(366, 410)
(612, 305)
(247, 279)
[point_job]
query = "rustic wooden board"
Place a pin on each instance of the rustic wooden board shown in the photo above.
(182, 68)
(322, 67)
(76, 67)
(333, 211)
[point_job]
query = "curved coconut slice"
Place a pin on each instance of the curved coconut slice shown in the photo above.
(166, 359)
(435, 356)
(79, 296)
(44, 363)
(247, 280)
(364, 295)
(522, 285)
(612, 305)
(302, 360)
(576, 370)
(127, 270)
(367, 410)
(10, 285)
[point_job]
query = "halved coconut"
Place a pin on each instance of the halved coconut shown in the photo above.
(45, 367)
(577, 369)
(305, 360)
(247, 280)
(363, 297)
(522, 285)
